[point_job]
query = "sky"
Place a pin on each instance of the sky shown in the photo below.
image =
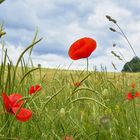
(61, 22)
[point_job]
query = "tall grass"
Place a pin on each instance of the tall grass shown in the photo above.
(96, 109)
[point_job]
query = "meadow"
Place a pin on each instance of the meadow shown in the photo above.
(78, 104)
(53, 104)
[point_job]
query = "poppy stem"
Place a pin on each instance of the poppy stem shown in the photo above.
(87, 64)
(135, 113)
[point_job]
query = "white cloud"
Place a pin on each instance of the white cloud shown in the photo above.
(62, 22)
(97, 18)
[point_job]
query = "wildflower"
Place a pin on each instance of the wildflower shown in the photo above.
(14, 105)
(82, 48)
(77, 84)
(34, 89)
(133, 85)
(68, 138)
(131, 95)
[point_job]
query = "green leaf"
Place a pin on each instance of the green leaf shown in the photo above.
(1, 1)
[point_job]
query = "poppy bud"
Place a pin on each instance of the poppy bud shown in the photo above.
(112, 29)
(105, 93)
(114, 45)
(108, 17)
(105, 122)
(111, 19)
(39, 65)
(117, 108)
(62, 112)
(82, 114)
(2, 34)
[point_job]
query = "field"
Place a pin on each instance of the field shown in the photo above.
(39, 103)
(81, 105)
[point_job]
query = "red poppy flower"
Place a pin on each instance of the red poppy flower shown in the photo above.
(34, 89)
(133, 85)
(77, 84)
(131, 96)
(82, 48)
(68, 138)
(13, 104)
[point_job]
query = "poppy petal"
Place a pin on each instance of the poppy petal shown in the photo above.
(137, 94)
(129, 96)
(82, 48)
(6, 102)
(77, 84)
(37, 87)
(133, 85)
(68, 138)
(14, 98)
(23, 114)
(31, 90)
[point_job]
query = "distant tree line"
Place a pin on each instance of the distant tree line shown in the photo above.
(132, 66)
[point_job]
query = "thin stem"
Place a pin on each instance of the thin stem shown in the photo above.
(98, 133)
(87, 64)
(126, 38)
(123, 34)
(135, 113)
(124, 59)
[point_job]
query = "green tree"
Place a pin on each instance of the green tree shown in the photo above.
(132, 66)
